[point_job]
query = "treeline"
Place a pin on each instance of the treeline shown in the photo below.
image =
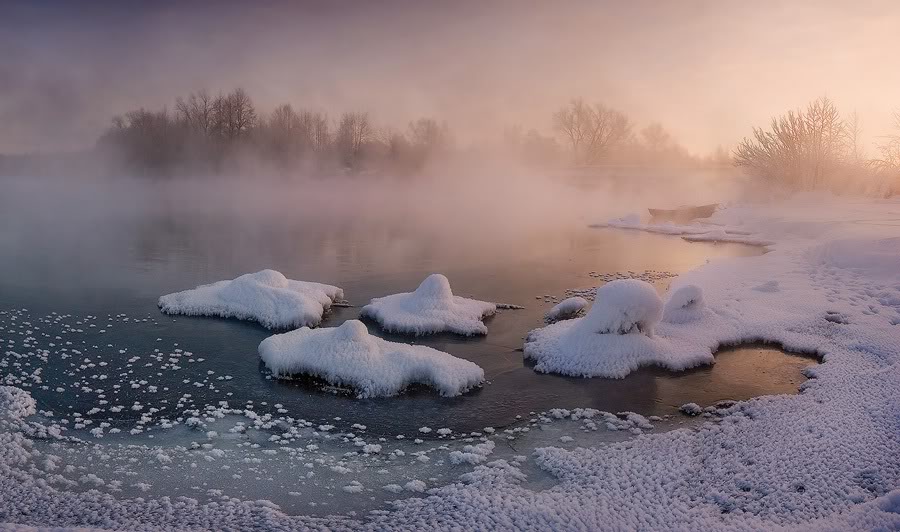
(212, 134)
(596, 135)
(817, 147)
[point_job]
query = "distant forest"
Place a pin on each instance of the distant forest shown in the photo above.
(209, 134)
(205, 134)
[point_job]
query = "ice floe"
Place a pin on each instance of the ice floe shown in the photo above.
(432, 308)
(349, 356)
(267, 297)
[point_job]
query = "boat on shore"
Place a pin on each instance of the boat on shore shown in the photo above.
(684, 213)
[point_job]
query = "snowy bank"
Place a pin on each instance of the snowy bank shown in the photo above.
(432, 308)
(265, 296)
(349, 356)
(705, 231)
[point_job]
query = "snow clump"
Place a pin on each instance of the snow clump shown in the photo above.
(267, 297)
(432, 308)
(684, 305)
(349, 355)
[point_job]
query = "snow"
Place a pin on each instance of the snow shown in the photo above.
(613, 339)
(684, 304)
(432, 308)
(825, 459)
(566, 309)
(267, 297)
(349, 356)
(699, 231)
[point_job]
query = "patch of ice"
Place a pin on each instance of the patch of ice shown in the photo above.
(265, 296)
(349, 355)
(432, 308)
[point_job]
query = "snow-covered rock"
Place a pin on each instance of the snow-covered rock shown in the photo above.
(624, 306)
(265, 296)
(566, 309)
(349, 356)
(613, 339)
(684, 304)
(432, 308)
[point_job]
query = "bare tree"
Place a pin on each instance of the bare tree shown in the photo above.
(888, 159)
(354, 129)
(853, 131)
(197, 112)
(590, 131)
(802, 148)
(656, 138)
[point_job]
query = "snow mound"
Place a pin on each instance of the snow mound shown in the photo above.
(432, 308)
(684, 305)
(348, 355)
(613, 339)
(566, 309)
(624, 306)
(266, 296)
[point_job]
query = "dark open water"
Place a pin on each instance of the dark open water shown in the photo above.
(109, 249)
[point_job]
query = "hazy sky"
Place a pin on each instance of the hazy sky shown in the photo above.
(707, 70)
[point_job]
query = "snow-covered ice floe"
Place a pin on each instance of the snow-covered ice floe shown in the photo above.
(693, 232)
(267, 297)
(349, 356)
(432, 308)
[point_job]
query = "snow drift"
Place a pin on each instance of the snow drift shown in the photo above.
(265, 296)
(432, 308)
(349, 356)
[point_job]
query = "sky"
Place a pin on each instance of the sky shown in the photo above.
(706, 70)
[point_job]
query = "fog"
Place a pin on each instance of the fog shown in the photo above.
(708, 71)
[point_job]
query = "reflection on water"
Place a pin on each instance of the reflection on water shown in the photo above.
(85, 252)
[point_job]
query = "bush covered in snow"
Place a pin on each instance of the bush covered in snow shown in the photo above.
(432, 308)
(265, 296)
(684, 304)
(348, 355)
(624, 306)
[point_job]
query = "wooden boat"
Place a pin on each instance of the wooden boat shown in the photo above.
(684, 213)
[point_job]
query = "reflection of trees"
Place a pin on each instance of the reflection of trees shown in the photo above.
(326, 246)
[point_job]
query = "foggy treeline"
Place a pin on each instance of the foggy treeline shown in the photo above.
(203, 133)
(817, 147)
(212, 134)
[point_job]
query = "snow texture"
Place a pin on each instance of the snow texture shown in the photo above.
(566, 309)
(265, 296)
(349, 356)
(432, 308)
(684, 304)
(612, 340)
